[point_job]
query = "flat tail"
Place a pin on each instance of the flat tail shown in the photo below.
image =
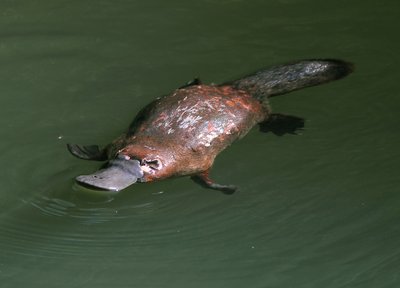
(293, 76)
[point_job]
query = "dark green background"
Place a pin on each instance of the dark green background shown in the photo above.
(317, 210)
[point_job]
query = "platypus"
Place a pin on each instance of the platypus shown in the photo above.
(181, 134)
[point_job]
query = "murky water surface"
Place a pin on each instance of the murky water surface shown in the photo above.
(321, 209)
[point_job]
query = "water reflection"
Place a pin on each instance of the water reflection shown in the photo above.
(318, 210)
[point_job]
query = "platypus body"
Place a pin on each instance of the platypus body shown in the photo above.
(181, 134)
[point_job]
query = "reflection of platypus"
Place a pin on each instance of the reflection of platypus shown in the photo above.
(181, 134)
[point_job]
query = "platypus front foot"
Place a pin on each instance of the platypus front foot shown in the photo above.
(90, 152)
(204, 180)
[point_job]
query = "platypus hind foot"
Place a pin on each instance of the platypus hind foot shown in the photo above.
(204, 180)
(90, 152)
(281, 124)
(195, 81)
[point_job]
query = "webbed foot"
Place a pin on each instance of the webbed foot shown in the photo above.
(195, 81)
(204, 180)
(90, 152)
(281, 124)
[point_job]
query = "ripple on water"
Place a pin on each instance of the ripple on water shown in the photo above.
(56, 225)
(88, 209)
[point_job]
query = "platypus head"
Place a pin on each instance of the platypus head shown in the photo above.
(156, 161)
(131, 164)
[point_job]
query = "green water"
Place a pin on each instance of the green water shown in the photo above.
(317, 210)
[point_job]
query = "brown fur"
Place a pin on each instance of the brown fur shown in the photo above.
(186, 130)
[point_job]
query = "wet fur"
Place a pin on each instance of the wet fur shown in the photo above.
(182, 133)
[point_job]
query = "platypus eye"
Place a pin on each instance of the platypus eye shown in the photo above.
(152, 163)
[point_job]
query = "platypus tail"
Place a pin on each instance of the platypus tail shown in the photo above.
(292, 76)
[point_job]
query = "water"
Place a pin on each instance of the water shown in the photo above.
(316, 210)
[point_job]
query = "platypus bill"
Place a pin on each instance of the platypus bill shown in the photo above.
(181, 134)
